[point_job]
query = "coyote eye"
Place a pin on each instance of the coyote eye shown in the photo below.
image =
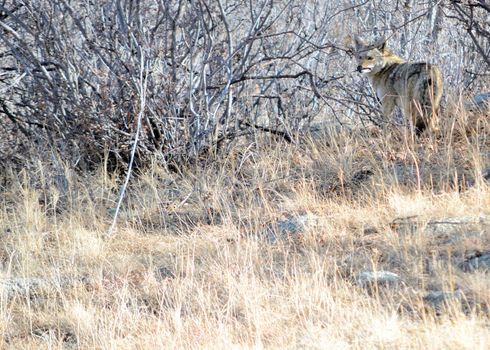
(369, 57)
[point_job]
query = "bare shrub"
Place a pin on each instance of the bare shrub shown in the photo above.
(214, 71)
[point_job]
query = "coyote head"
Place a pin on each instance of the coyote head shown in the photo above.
(371, 58)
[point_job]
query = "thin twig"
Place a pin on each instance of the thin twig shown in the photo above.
(143, 83)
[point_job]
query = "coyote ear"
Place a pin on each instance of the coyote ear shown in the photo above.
(381, 44)
(359, 42)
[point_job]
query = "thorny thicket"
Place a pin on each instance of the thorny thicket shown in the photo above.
(215, 70)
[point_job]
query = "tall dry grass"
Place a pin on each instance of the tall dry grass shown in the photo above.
(187, 268)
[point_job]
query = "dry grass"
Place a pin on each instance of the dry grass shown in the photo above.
(186, 267)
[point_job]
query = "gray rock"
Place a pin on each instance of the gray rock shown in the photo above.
(480, 261)
(479, 102)
(9, 287)
(290, 227)
(451, 227)
(22, 283)
(482, 98)
(457, 225)
(380, 278)
(13, 286)
(436, 299)
(439, 301)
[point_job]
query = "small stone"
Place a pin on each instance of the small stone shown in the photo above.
(289, 227)
(380, 278)
(482, 100)
(438, 298)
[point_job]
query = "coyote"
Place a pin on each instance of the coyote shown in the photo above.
(414, 87)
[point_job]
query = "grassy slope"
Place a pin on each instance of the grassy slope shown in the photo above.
(230, 288)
